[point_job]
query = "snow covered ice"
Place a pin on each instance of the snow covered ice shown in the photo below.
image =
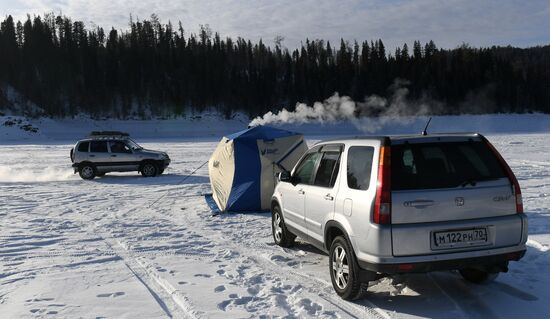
(74, 248)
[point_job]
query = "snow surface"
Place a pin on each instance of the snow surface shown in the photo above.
(104, 248)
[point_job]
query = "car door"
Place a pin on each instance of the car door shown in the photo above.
(99, 155)
(122, 157)
(320, 195)
(293, 192)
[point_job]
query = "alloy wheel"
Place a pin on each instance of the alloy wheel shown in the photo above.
(277, 227)
(340, 267)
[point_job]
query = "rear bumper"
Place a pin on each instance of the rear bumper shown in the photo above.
(408, 266)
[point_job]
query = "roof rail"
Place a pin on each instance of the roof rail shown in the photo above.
(108, 134)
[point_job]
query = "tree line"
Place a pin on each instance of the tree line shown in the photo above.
(156, 69)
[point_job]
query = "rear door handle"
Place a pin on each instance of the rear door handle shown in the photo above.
(420, 203)
(329, 197)
(301, 192)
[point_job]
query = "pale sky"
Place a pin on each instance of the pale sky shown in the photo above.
(448, 22)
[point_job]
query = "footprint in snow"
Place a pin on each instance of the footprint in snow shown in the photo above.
(203, 275)
(219, 288)
(280, 258)
(312, 308)
(114, 294)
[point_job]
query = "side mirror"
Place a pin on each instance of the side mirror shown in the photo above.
(284, 176)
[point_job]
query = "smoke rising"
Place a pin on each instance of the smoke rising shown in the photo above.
(368, 115)
(25, 175)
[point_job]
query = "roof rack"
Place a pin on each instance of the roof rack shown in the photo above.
(108, 134)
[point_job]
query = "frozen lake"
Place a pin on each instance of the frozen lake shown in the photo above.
(94, 249)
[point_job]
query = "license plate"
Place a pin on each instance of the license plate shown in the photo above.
(460, 238)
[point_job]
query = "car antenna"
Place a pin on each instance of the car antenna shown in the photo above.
(425, 132)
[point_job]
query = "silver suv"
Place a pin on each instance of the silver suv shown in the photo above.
(402, 204)
(111, 151)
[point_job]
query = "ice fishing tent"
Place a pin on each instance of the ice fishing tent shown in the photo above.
(242, 168)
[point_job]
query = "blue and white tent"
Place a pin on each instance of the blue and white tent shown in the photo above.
(242, 168)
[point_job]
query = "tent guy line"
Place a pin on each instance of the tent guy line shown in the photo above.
(178, 183)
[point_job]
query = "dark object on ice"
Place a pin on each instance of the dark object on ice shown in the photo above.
(425, 132)
(9, 123)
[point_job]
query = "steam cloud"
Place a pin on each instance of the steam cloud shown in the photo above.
(342, 108)
(48, 174)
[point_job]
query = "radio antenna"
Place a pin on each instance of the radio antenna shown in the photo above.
(425, 132)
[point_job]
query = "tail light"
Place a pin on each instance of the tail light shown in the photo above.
(382, 203)
(515, 185)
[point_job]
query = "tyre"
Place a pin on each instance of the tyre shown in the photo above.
(477, 276)
(87, 171)
(281, 235)
(344, 270)
(149, 169)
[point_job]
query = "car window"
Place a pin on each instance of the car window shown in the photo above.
(119, 147)
(98, 147)
(305, 170)
(359, 166)
(83, 146)
(328, 169)
(442, 165)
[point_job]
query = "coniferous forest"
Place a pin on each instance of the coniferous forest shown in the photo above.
(153, 68)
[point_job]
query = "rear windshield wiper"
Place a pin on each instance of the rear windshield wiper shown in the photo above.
(470, 181)
(474, 181)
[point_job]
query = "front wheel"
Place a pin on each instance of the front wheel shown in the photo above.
(87, 171)
(344, 270)
(281, 235)
(149, 169)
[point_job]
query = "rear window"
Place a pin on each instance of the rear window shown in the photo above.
(442, 165)
(83, 147)
(98, 147)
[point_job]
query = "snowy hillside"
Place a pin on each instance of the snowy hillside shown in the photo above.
(107, 249)
(213, 126)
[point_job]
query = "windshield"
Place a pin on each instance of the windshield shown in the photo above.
(133, 145)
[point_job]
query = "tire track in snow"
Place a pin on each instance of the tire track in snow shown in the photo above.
(171, 301)
(313, 285)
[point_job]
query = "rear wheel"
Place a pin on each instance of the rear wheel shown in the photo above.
(477, 276)
(281, 235)
(344, 270)
(87, 171)
(149, 169)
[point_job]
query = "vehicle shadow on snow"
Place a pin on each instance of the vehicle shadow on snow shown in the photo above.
(437, 293)
(442, 294)
(165, 179)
